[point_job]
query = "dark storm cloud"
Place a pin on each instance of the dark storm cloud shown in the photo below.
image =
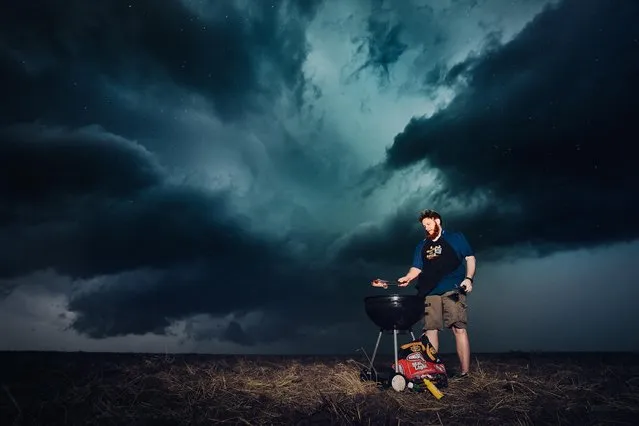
(40, 164)
(545, 125)
(269, 330)
(101, 208)
(292, 298)
(91, 203)
(292, 295)
(384, 243)
(383, 47)
(56, 56)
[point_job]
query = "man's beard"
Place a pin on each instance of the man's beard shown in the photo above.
(432, 235)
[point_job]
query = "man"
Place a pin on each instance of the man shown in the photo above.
(444, 264)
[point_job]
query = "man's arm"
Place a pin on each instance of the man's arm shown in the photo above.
(411, 275)
(471, 263)
(469, 256)
(470, 266)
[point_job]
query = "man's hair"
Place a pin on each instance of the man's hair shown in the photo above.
(430, 214)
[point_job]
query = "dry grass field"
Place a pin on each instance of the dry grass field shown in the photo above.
(50, 389)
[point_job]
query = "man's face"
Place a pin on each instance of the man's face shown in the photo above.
(432, 227)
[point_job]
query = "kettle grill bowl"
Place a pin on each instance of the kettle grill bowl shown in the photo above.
(394, 311)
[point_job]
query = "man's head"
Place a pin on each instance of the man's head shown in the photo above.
(432, 223)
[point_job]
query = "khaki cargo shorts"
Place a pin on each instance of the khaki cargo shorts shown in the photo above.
(444, 311)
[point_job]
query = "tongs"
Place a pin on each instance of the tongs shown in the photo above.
(385, 283)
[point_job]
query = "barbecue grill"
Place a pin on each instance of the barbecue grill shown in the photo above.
(395, 314)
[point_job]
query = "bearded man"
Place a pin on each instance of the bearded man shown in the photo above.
(444, 265)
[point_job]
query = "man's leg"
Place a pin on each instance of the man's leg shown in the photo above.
(433, 338)
(456, 318)
(463, 348)
(433, 319)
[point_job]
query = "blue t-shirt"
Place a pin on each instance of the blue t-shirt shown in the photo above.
(450, 248)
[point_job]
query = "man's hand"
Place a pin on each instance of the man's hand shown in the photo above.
(379, 283)
(410, 276)
(404, 281)
(467, 285)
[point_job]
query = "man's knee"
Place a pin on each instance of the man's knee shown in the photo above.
(459, 329)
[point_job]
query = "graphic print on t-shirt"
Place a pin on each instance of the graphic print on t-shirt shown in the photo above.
(433, 252)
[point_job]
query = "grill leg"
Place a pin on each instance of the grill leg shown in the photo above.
(412, 335)
(379, 336)
(395, 341)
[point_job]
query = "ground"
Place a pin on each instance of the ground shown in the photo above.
(53, 388)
